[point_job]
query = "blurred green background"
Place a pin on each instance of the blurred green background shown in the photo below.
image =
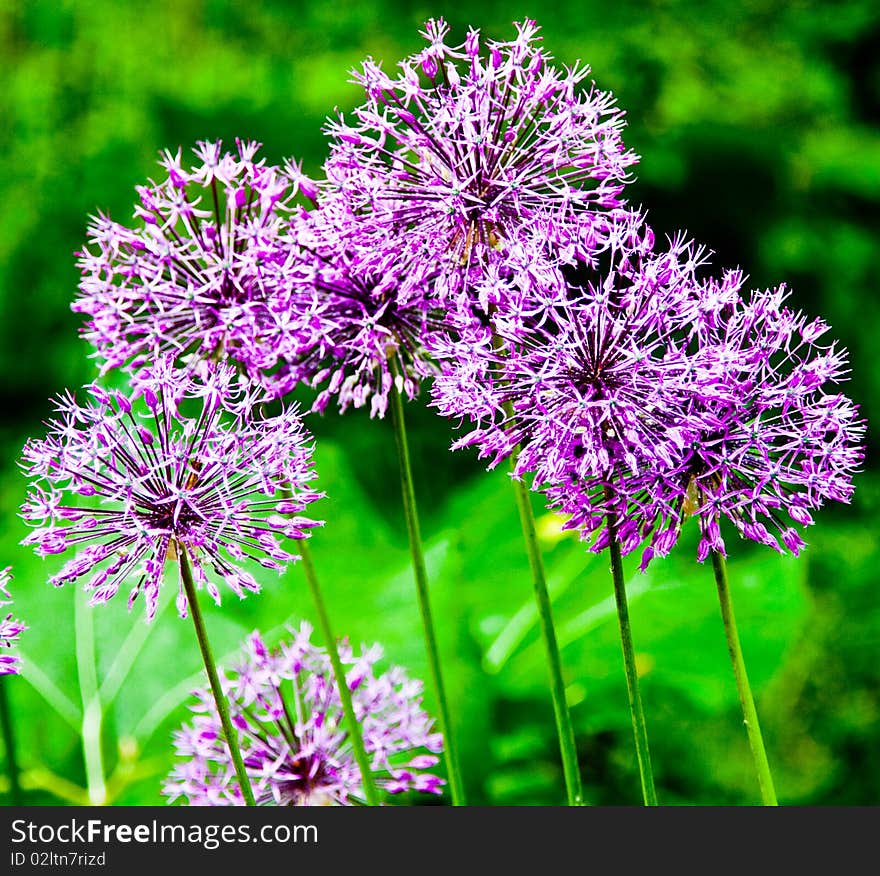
(758, 130)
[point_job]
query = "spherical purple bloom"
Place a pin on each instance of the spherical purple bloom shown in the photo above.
(196, 273)
(295, 745)
(10, 629)
(181, 466)
(770, 436)
(590, 389)
(481, 167)
(348, 330)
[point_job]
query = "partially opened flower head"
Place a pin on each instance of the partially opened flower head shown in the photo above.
(182, 466)
(482, 164)
(10, 629)
(294, 741)
(195, 273)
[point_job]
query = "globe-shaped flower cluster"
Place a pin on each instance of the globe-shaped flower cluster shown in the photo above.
(295, 745)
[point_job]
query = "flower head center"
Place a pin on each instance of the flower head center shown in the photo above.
(309, 778)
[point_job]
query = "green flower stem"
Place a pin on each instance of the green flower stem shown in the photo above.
(91, 732)
(211, 668)
(354, 728)
(9, 744)
(640, 730)
(564, 727)
(456, 787)
(750, 714)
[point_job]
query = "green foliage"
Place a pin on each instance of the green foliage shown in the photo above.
(757, 124)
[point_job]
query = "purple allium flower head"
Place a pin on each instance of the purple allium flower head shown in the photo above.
(348, 328)
(10, 629)
(770, 437)
(196, 274)
(589, 389)
(181, 465)
(482, 166)
(295, 746)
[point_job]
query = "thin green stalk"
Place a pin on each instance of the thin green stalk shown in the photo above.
(456, 787)
(564, 727)
(750, 714)
(211, 668)
(9, 744)
(640, 730)
(354, 728)
(92, 709)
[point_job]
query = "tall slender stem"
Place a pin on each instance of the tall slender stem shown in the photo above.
(640, 730)
(354, 728)
(211, 668)
(92, 710)
(750, 714)
(564, 726)
(456, 787)
(9, 744)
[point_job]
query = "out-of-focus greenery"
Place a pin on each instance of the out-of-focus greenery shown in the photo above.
(758, 130)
